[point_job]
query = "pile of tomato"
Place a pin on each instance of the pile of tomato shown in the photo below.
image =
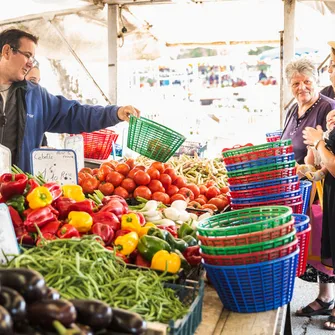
(158, 182)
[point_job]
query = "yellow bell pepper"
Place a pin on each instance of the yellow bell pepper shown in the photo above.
(165, 261)
(130, 222)
(39, 197)
(82, 221)
(74, 192)
(144, 230)
(127, 243)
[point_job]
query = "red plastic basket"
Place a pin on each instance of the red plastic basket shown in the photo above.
(296, 203)
(99, 144)
(303, 241)
(273, 139)
(249, 156)
(257, 177)
(251, 258)
(250, 238)
(263, 191)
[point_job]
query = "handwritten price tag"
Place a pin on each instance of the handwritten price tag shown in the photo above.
(55, 165)
(8, 242)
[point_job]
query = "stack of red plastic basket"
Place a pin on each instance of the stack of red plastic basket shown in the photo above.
(251, 257)
(274, 136)
(264, 175)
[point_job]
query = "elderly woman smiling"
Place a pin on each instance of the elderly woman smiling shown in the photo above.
(311, 107)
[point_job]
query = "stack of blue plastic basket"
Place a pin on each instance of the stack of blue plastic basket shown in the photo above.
(265, 175)
(251, 257)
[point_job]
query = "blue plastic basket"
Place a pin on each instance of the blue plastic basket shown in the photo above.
(255, 287)
(301, 222)
(275, 133)
(279, 196)
(266, 183)
(260, 162)
(305, 187)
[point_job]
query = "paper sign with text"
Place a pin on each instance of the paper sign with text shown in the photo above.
(55, 165)
(5, 160)
(8, 242)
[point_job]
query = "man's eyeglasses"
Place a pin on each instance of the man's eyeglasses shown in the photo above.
(30, 58)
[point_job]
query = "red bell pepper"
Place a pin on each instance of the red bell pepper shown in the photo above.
(31, 185)
(192, 255)
(46, 236)
(114, 206)
(40, 217)
(50, 228)
(67, 231)
(15, 216)
(107, 218)
(104, 231)
(171, 229)
(55, 189)
(63, 204)
(12, 184)
(23, 237)
(121, 232)
(141, 218)
(108, 198)
(140, 261)
(86, 205)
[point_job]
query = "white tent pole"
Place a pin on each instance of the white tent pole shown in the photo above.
(113, 51)
(289, 49)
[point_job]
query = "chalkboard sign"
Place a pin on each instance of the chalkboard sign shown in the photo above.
(55, 165)
(5, 159)
(8, 242)
(76, 143)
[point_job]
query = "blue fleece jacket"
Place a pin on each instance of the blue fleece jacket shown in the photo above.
(56, 114)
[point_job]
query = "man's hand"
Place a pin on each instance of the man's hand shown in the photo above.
(124, 112)
(315, 176)
(303, 169)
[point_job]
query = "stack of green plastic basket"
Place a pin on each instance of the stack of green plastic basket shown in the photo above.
(251, 256)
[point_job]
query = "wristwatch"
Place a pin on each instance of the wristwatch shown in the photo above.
(316, 143)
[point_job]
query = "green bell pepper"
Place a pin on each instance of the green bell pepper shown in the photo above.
(149, 245)
(160, 233)
(186, 229)
(176, 243)
(190, 240)
(17, 202)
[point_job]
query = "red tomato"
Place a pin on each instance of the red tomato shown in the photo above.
(141, 178)
(194, 204)
(141, 167)
(86, 170)
(180, 182)
(110, 164)
(122, 168)
(195, 189)
(122, 192)
(224, 189)
(210, 206)
(172, 173)
(159, 166)
(132, 172)
(156, 186)
(153, 173)
(177, 196)
(212, 192)
(171, 190)
(203, 197)
(106, 188)
(219, 203)
(95, 171)
(201, 201)
(187, 193)
(161, 196)
(203, 189)
(210, 183)
(128, 184)
(115, 178)
(103, 172)
(90, 184)
(130, 162)
(142, 191)
(165, 180)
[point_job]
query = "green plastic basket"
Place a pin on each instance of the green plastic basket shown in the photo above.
(244, 150)
(244, 221)
(260, 169)
(152, 139)
(246, 249)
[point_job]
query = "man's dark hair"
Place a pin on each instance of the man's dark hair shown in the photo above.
(13, 36)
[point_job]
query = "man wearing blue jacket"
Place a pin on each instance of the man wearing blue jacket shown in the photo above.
(27, 111)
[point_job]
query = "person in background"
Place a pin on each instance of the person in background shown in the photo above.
(323, 145)
(28, 110)
(310, 108)
(325, 299)
(34, 76)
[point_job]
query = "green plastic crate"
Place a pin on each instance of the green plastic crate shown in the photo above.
(244, 221)
(248, 248)
(152, 139)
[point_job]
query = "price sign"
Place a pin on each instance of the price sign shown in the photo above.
(8, 242)
(55, 165)
(76, 143)
(5, 159)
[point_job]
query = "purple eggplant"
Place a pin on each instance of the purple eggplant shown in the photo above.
(13, 302)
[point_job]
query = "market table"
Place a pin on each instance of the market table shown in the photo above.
(217, 320)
